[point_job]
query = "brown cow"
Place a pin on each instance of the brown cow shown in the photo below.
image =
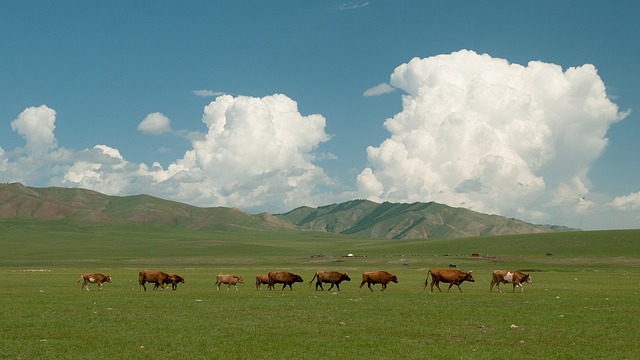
(378, 277)
(283, 277)
(152, 276)
(172, 279)
(332, 277)
(92, 279)
(509, 276)
(229, 280)
(262, 279)
(449, 276)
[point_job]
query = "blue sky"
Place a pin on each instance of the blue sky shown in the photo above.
(525, 109)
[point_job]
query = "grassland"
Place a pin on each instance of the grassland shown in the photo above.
(581, 305)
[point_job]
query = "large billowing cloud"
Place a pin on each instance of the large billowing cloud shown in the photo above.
(256, 154)
(481, 133)
(36, 126)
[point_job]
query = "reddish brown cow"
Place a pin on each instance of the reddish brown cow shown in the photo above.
(262, 279)
(93, 279)
(449, 276)
(152, 276)
(332, 277)
(378, 277)
(509, 276)
(283, 277)
(229, 280)
(172, 279)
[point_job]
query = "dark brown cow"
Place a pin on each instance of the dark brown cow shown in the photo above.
(152, 276)
(172, 279)
(509, 276)
(332, 277)
(283, 277)
(93, 279)
(378, 277)
(449, 276)
(229, 280)
(262, 279)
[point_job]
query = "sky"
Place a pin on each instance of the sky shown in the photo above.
(522, 109)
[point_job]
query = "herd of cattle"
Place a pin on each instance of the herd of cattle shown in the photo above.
(447, 276)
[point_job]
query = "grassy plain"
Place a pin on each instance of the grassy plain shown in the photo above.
(582, 303)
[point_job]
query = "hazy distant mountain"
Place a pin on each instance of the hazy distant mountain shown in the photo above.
(358, 218)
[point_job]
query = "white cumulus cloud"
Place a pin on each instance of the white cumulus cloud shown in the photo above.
(155, 124)
(36, 126)
(478, 132)
(627, 202)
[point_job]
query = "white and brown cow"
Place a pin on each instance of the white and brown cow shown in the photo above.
(331, 277)
(378, 277)
(509, 276)
(449, 276)
(94, 278)
(229, 280)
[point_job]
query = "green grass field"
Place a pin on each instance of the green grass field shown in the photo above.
(582, 303)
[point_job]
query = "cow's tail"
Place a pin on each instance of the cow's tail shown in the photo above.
(314, 277)
(426, 281)
(81, 277)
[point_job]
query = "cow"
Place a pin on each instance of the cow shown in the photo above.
(509, 276)
(229, 280)
(283, 277)
(377, 277)
(332, 277)
(262, 279)
(450, 276)
(159, 278)
(93, 279)
(172, 279)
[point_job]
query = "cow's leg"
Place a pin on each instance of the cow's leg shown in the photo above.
(99, 286)
(235, 286)
(437, 285)
(331, 287)
(86, 284)
(362, 283)
(369, 285)
(384, 286)
(459, 288)
(450, 285)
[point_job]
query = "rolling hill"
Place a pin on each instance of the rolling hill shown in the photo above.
(357, 218)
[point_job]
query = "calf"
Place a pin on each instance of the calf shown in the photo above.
(262, 279)
(332, 277)
(172, 279)
(229, 280)
(283, 277)
(450, 276)
(93, 279)
(378, 277)
(509, 276)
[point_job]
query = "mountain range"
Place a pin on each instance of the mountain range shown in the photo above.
(356, 218)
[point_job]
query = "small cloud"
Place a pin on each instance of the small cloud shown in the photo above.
(208, 93)
(379, 89)
(351, 5)
(155, 124)
(627, 202)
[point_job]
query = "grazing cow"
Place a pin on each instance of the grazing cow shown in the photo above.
(283, 277)
(92, 279)
(509, 276)
(172, 279)
(229, 280)
(450, 276)
(152, 276)
(262, 279)
(332, 277)
(378, 277)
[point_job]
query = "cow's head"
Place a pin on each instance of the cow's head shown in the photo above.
(527, 278)
(108, 279)
(240, 279)
(469, 277)
(394, 279)
(345, 277)
(297, 278)
(176, 279)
